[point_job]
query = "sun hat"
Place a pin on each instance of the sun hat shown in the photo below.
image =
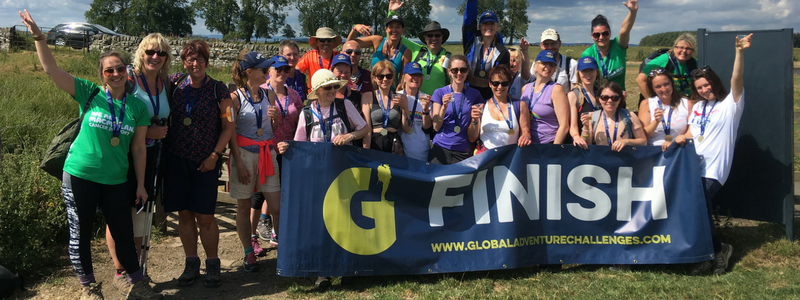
(550, 34)
(341, 59)
(587, 62)
(321, 78)
(412, 68)
(546, 56)
(488, 17)
(394, 18)
(279, 61)
(431, 27)
(325, 33)
(254, 60)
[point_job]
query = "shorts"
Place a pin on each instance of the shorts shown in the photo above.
(257, 201)
(442, 156)
(186, 188)
(250, 161)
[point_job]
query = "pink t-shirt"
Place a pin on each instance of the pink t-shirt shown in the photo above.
(288, 123)
(338, 126)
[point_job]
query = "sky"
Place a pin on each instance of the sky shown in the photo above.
(570, 18)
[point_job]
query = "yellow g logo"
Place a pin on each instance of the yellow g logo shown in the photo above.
(339, 221)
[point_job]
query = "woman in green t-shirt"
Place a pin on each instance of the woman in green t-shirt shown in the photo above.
(95, 171)
(611, 55)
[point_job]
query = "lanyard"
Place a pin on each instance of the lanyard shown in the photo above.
(116, 126)
(260, 112)
(533, 87)
(484, 59)
(429, 67)
(396, 50)
(385, 109)
(508, 105)
(602, 63)
(705, 118)
(666, 123)
(325, 134)
(190, 104)
(457, 112)
(616, 126)
(416, 101)
(285, 108)
(319, 56)
(294, 83)
(156, 104)
(679, 76)
(589, 100)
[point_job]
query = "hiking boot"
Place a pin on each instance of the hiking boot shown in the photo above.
(722, 258)
(121, 283)
(142, 291)
(257, 247)
(190, 272)
(92, 292)
(323, 283)
(274, 239)
(264, 228)
(702, 268)
(250, 264)
(213, 276)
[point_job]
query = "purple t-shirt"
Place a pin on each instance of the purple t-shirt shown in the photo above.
(447, 137)
(544, 123)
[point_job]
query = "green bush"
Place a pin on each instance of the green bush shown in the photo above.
(664, 39)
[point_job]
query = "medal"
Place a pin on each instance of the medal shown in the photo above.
(384, 132)
(603, 81)
(457, 129)
(260, 132)
(427, 77)
(482, 73)
(114, 141)
(511, 132)
(705, 119)
(668, 138)
(700, 139)
(190, 100)
(509, 123)
(187, 121)
(412, 131)
(116, 124)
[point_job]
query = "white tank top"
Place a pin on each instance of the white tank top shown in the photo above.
(680, 116)
(494, 133)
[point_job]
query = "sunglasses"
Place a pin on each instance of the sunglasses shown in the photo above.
(689, 49)
(503, 83)
(655, 72)
(192, 60)
(330, 87)
(700, 71)
(597, 35)
(459, 70)
(284, 69)
(151, 52)
(325, 40)
(110, 71)
(384, 76)
(351, 51)
(614, 98)
(434, 35)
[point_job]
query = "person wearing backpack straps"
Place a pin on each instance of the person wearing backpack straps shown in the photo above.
(95, 171)
(199, 130)
(386, 113)
(665, 115)
(565, 76)
(583, 99)
(678, 61)
(612, 125)
(547, 103)
(503, 120)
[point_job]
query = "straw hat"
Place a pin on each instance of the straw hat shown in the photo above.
(325, 33)
(321, 78)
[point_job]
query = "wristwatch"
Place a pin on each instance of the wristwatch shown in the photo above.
(219, 155)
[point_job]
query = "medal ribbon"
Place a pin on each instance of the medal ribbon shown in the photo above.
(616, 126)
(396, 50)
(260, 112)
(429, 67)
(385, 109)
(589, 100)
(666, 123)
(285, 111)
(602, 63)
(537, 98)
(508, 105)
(156, 104)
(116, 126)
(484, 59)
(319, 56)
(705, 118)
(457, 112)
(682, 79)
(190, 104)
(322, 121)
(416, 101)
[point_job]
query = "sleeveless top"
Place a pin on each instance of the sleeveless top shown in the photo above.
(395, 116)
(246, 123)
(494, 133)
(397, 62)
(584, 107)
(544, 123)
(680, 115)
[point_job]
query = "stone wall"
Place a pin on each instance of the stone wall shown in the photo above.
(6, 36)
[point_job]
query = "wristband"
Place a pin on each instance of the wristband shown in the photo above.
(40, 37)
(215, 152)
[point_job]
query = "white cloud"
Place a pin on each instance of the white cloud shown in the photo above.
(780, 10)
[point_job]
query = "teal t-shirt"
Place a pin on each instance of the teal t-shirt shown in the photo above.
(680, 76)
(91, 156)
(438, 72)
(614, 62)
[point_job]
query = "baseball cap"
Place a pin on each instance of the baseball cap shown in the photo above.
(546, 56)
(550, 34)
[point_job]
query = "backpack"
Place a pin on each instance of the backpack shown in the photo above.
(130, 85)
(424, 51)
(56, 154)
(691, 65)
(341, 111)
(567, 64)
(625, 118)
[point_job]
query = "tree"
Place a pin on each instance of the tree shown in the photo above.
(113, 14)
(288, 31)
(796, 40)
(261, 18)
(220, 15)
(664, 39)
(134, 17)
(516, 21)
(415, 13)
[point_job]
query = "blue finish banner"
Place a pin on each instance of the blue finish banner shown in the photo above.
(347, 211)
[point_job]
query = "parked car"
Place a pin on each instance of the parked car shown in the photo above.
(76, 34)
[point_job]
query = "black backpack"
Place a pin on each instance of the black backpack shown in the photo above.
(341, 113)
(691, 65)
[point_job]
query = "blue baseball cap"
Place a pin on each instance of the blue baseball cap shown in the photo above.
(279, 61)
(488, 16)
(412, 68)
(587, 62)
(546, 56)
(341, 59)
(255, 60)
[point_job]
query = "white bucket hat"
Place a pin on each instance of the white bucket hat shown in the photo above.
(321, 78)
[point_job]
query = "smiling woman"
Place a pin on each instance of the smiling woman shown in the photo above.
(386, 48)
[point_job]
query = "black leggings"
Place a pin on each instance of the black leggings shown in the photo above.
(710, 188)
(82, 198)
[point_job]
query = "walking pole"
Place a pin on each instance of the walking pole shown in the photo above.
(151, 205)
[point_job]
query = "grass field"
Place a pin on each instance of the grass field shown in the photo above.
(765, 265)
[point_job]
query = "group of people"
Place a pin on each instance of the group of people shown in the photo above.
(417, 100)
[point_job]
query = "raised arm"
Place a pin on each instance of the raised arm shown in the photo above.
(470, 25)
(737, 79)
(627, 24)
(366, 41)
(63, 80)
(526, 59)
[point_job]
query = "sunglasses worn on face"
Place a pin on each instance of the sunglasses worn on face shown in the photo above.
(151, 52)
(384, 76)
(655, 72)
(597, 35)
(351, 51)
(329, 87)
(614, 98)
(700, 71)
(687, 49)
(325, 40)
(284, 69)
(459, 70)
(503, 83)
(110, 71)
(434, 35)
(192, 60)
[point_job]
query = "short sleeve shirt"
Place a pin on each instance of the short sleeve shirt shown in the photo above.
(337, 126)
(310, 64)
(613, 65)
(196, 141)
(681, 79)
(447, 137)
(719, 137)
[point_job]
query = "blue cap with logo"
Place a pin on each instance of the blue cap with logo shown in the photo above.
(255, 60)
(341, 59)
(587, 62)
(412, 68)
(279, 61)
(546, 56)
(488, 17)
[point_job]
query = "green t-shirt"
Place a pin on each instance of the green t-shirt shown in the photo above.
(91, 156)
(680, 74)
(614, 61)
(438, 73)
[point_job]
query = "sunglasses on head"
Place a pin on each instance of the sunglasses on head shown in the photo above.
(330, 87)
(351, 51)
(110, 71)
(151, 52)
(655, 72)
(325, 40)
(433, 35)
(384, 76)
(702, 70)
(462, 70)
(597, 35)
(284, 69)
(614, 98)
(503, 83)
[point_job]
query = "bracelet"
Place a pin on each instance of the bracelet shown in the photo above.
(215, 152)
(39, 37)
(354, 135)
(426, 112)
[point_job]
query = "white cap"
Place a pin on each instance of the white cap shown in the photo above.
(550, 34)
